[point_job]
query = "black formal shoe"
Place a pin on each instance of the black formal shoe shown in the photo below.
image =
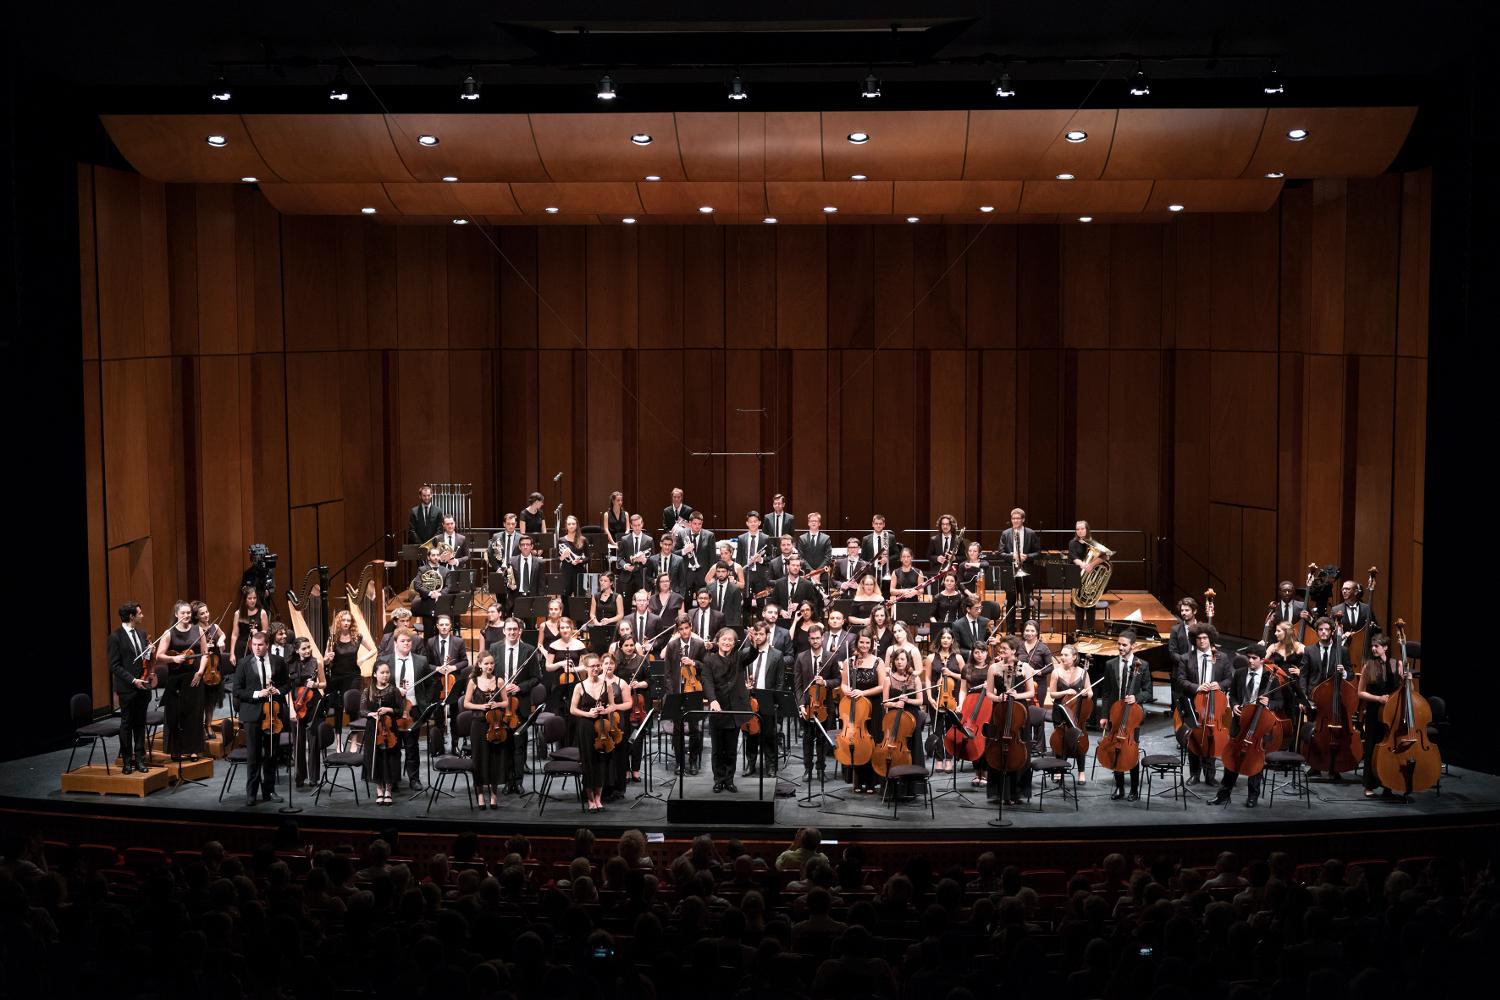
(1133, 797)
(1221, 798)
(729, 787)
(127, 766)
(1194, 780)
(806, 777)
(272, 797)
(1250, 802)
(748, 771)
(1117, 795)
(718, 786)
(694, 771)
(415, 785)
(251, 800)
(1211, 781)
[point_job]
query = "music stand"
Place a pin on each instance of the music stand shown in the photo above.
(454, 604)
(642, 732)
(913, 612)
(806, 802)
(460, 580)
(525, 730)
(413, 553)
(541, 542)
(947, 720)
(843, 605)
(600, 636)
(533, 606)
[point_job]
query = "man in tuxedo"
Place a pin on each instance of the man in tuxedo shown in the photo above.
(643, 624)
(425, 519)
(725, 597)
(815, 548)
(687, 735)
(777, 634)
(786, 549)
(880, 548)
(1204, 669)
(516, 660)
(129, 650)
(942, 548)
(706, 621)
(792, 589)
(425, 604)
(1018, 547)
(697, 549)
(673, 512)
(1286, 609)
(669, 562)
(1322, 658)
(409, 674)
(1179, 642)
(451, 537)
(973, 629)
(1126, 678)
(753, 550)
(766, 671)
(527, 569)
(449, 656)
(780, 521)
(814, 667)
(848, 568)
(505, 545)
(1357, 620)
(1251, 683)
(259, 679)
(634, 550)
(724, 689)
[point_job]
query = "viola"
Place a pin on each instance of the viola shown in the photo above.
(271, 722)
(385, 732)
(568, 674)
(689, 678)
(817, 703)
(751, 726)
(303, 696)
(895, 745)
(495, 729)
(1335, 745)
(947, 691)
(211, 673)
(607, 734)
(854, 744)
(1405, 761)
(967, 741)
(638, 697)
(1072, 740)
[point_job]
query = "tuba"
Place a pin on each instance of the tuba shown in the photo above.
(1092, 582)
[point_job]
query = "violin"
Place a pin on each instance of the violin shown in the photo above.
(751, 726)
(271, 722)
(895, 745)
(495, 718)
(211, 673)
(1335, 745)
(445, 688)
(817, 702)
(568, 674)
(1405, 760)
(387, 725)
(689, 680)
(1072, 740)
(607, 733)
(854, 745)
(967, 741)
(303, 696)
(638, 696)
(1120, 750)
(947, 691)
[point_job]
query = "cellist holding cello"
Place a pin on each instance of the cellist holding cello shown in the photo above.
(1125, 679)
(1200, 684)
(1011, 687)
(1254, 683)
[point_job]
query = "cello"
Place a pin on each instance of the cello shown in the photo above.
(1072, 740)
(895, 744)
(1335, 746)
(1005, 743)
(1120, 750)
(854, 745)
(1405, 760)
(1259, 733)
(966, 742)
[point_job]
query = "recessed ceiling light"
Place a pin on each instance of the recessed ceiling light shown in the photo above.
(830, 209)
(769, 220)
(427, 140)
(1064, 177)
(986, 208)
(859, 138)
(1085, 218)
(871, 88)
(641, 139)
(367, 210)
(216, 141)
(1174, 208)
(1297, 134)
(1003, 86)
(551, 210)
(737, 90)
(450, 179)
(1275, 174)
(1075, 135)
(460, 222)
(857, 177)
(706, 209)
(249, 180)
(653, 177)
(913, 218)
(629, 220)
(606, 91)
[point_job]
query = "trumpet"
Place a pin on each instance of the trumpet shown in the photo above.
(690, 555)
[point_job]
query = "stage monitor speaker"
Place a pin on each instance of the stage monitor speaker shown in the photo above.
(739, 812)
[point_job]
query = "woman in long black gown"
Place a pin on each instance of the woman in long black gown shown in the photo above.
(382, 764)
(179, 647)
(481, 693)
(591, 700)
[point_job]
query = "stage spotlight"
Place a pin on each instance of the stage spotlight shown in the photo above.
(1085, 218)
(769, 220)
(338, 90)
(450, 179)
(1064, 177)
(1003, 87)
(220, 91)
(551, 210)
(606, 90)
(248, 180)
(460, 222)
(986, 209)
(830, 209)
(706, 209)
(629, 220)
(1139, 85)
(737, 90)
(653, 177)
(913, 218)
(1175, 208)
(1275, 175)
(470, 91)
(858, 177)
(871, 89)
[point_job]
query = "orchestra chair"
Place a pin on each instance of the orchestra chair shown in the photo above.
(351, 760)
(1287, 763)
(235, 758)
(557, 768)
(351, 709)
(451, 768)
(1163, 766)
(1438, 729)
(1054, 767)
(906, 772)
(556, 752)
(81, 707)
(155, 716)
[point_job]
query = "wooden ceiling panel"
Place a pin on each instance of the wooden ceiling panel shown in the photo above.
(1031, 145)
(470, 147)
(686, 197)
(328, 199)
(729, 219)
(902, 145)
(175, 149)
(794, 146)
(937, 197)
(612, 198)
(810, 197)
(579, 219)
(1084, 197)
(452, 199)
(1183, 142)
(1341, 142)
(1214, 196)
(326, 149)
(598, 147)
(487, 199)
(720, 146)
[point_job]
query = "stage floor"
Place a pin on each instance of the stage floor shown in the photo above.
(1464, 797)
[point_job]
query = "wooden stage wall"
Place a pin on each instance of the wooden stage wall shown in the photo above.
(1248, 390)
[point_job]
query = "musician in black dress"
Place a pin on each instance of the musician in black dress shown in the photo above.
(341, 662)
(494, 625)
(905, 692)
(1009, 678)
(1038, 656)
(531, 516)
(616, 522)
(944, 665)
(572, 556)
(971, 569)
(483, 692)
(906, 580)
(1379, 680)
(636, 674)
(561, 659)
(382, 764)
(213, 637)
(308, 683)
(864, 676)
(1068, 686)
(132, 675)
(590, 700)
(617, 760)
(183, 649)
(1085, 557)
(949, 603)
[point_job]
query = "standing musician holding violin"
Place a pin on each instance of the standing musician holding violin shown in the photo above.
(945, 670)
(589, 705)
(1257, 693)
(765, 672)
(133, 676)
(307, 680)
(259, 680)
(410, 676)
(449, 656)
(213, 673)
(383, 704)
(184, 651)
(515, 661)
(1200, 683)
(635, 672)
(562, 657)
(612, 734)
(815, 675)
(488, 707)
(1125, 680)
(682, 660)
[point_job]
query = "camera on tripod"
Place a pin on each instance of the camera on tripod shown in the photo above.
(262, 572)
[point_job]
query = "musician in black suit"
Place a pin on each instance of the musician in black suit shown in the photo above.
(425, 519)
(504, 545)
(1018, 547)
(792, 589)
(1204, 669)
(753, 551)
(848, 568)
(448, 655)
(973, 629)
(409, 675)
(687, 735)
(943, 548)
(724, 597)
(880, 548)
(815, 548)
(697, 550)
(450, 536)
(128, 652)
(669, 562)
(673, 512)
(645, 624)
(1358, 624)
(706, 621)
(814, 664)
(1126, 678)
(259, 680)
(766, 671)
(1322, 658)
(1285, 609)
(430, 583)
(1179, 643)
(780, 521)
(528, 569)
(517, 661)
(1252, 682)
(786, 548)
(633, 552)
(724, 689)
(778, 635)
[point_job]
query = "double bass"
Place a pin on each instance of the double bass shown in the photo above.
(1405, 760)
(1354, 650)
(1335, 746)
(1120, 749)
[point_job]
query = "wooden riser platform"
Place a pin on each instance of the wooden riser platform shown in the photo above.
(201, 769)
(214, 747)
(93, 778)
